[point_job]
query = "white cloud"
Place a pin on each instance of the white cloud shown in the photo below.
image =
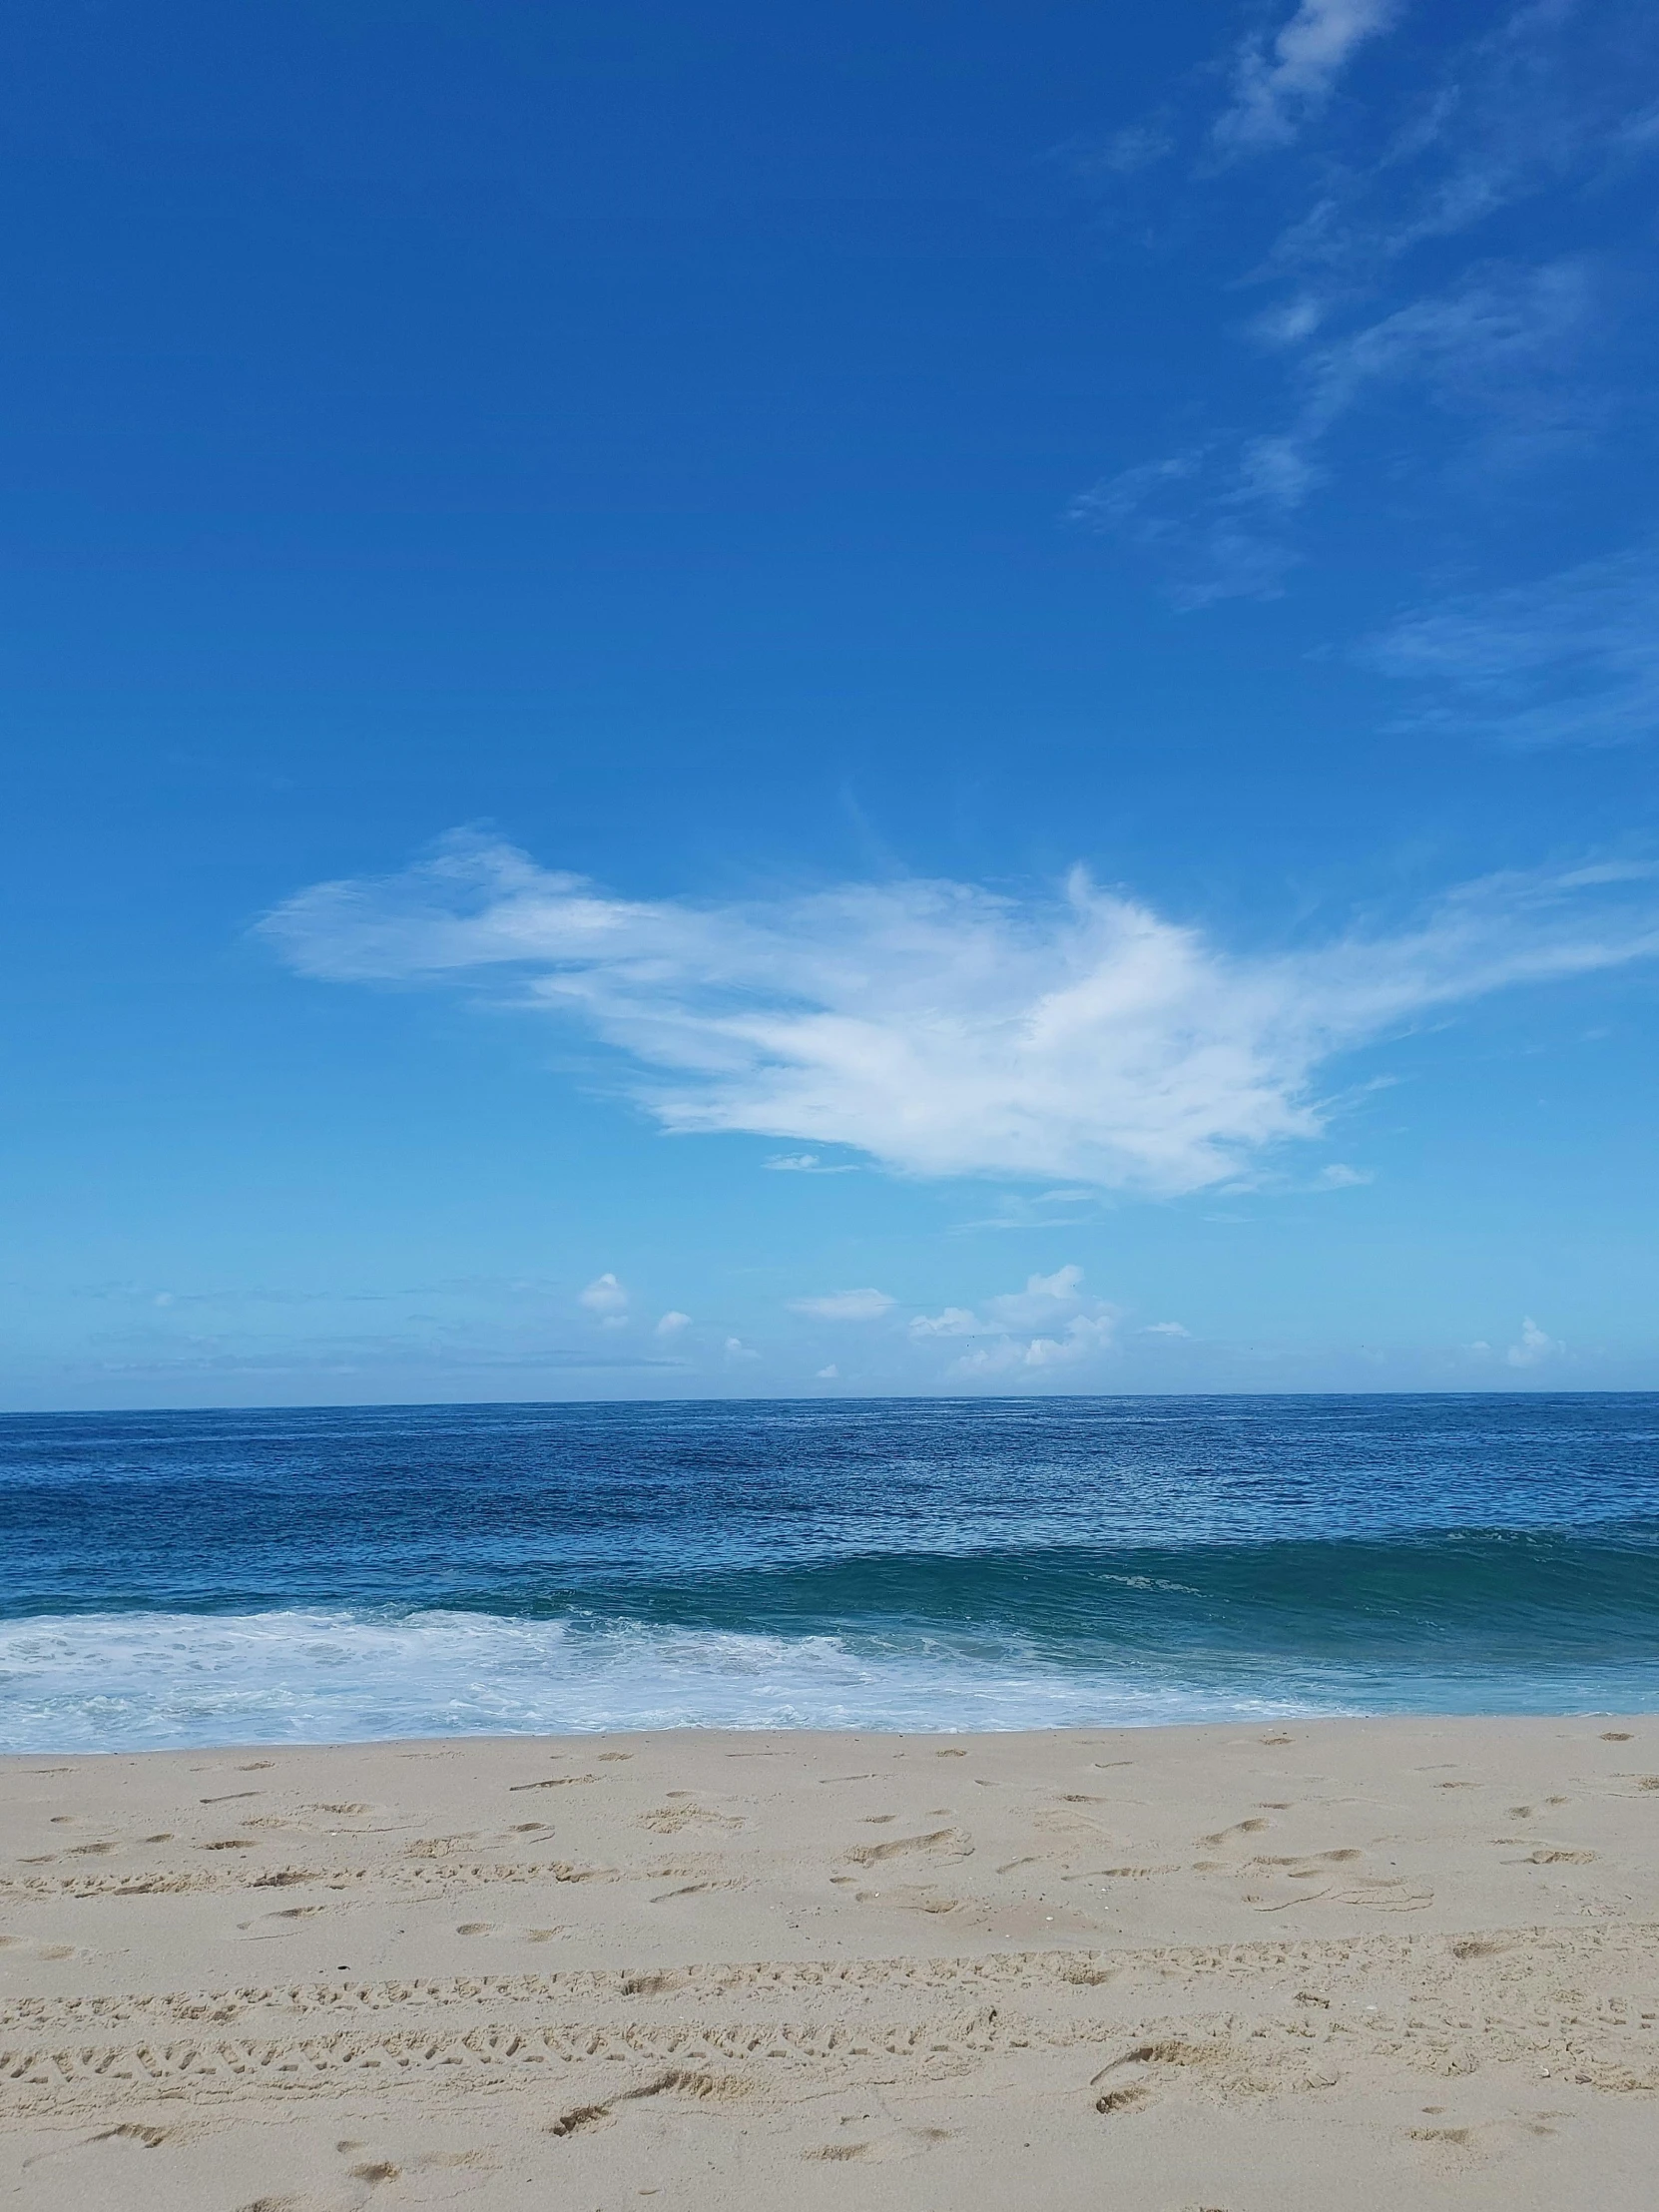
(1164, 1329)
(1083, 1337)
(955, 1321)
(1545, 92)
(1060, 1209)
(1196, 513)
(808, 1162)
(605, 1297)
(1499, 338)
(1570, 660)
(945, 1030)
(1042, 1297)
(844, 1305)
(1499, 347)
(1279, 82)
(1121, 153)
(1533, 1347)
(736, 1348)
(830, 1374)
(1390, 282)
(672, 1324)
(1069, 1326)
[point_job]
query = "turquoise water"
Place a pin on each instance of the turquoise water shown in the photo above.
(179, 1578)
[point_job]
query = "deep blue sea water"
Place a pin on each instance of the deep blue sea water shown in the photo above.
(185, 1578)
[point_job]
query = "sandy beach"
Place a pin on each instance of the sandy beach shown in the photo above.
(1241, 1969)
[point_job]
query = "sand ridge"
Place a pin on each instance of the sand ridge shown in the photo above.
(1231, 1968)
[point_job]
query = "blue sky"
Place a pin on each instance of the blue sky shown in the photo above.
(709, 699)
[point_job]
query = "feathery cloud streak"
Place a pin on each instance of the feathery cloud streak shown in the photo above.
(1282, 81)
(944, 1030)
(1570, 660)
(867, 1305)
(1398, 285)
(1498, 350)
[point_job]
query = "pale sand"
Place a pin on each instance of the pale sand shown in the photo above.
(1356, 1965)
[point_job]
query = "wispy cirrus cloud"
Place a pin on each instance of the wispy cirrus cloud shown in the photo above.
(1422, 340)
(866, 1304)
(1282, 78)
(1500, 351)
(943, 1029)
(1571, 659)
(1552, 93)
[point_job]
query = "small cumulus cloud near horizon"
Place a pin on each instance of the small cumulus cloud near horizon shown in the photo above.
(1050, 1324)
(1533, 1347)
(943, 1029)
(606, 1299)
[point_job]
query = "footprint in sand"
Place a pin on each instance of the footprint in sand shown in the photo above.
(31, 1947)
(1252, 1826)
(520, 1934)
(907, 2142)
(677, 2082)
(128, 2136)
(1133, 2079)
(1056, 1819)
(1384, 1895)
(668, 1820)
(944, 1843)
(908, 1896)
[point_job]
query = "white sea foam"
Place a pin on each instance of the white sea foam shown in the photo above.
(136, 1681)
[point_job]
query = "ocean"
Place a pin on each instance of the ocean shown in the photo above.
(181, 1578)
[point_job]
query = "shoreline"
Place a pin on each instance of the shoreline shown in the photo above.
(724, 1965)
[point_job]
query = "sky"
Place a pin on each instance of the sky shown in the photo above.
(703, 700)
